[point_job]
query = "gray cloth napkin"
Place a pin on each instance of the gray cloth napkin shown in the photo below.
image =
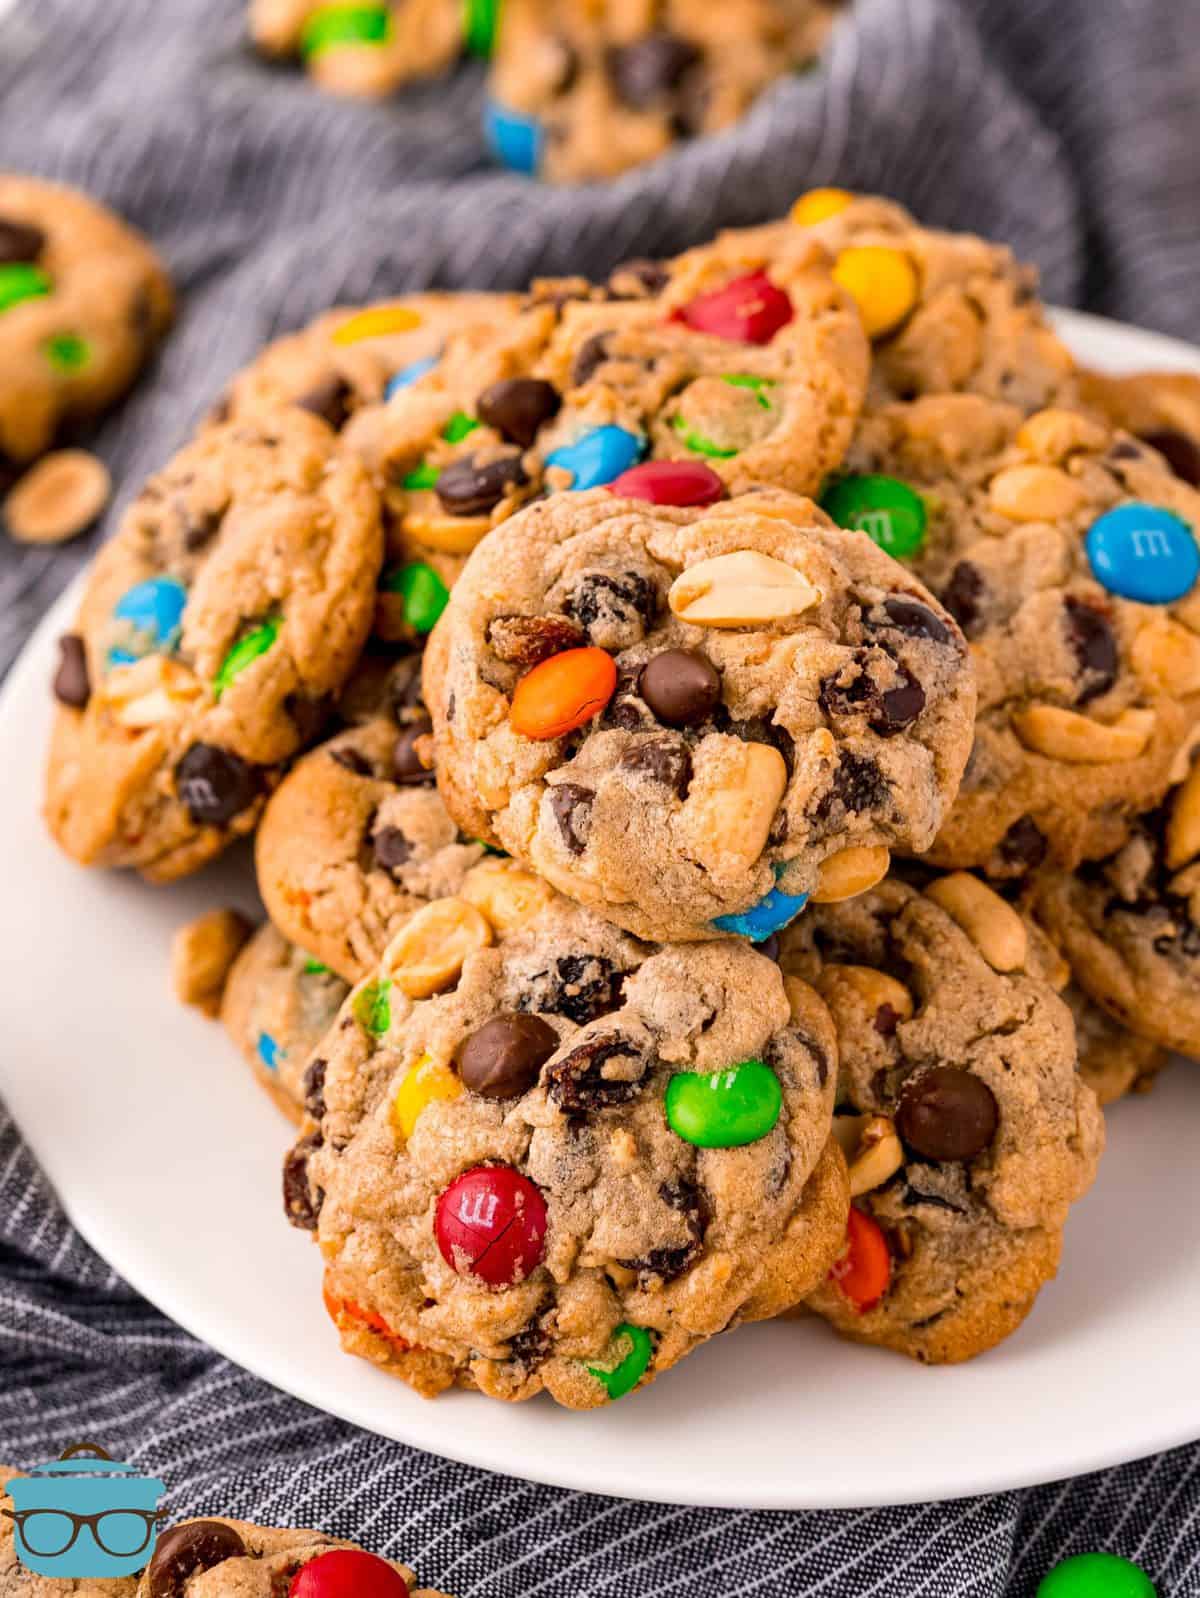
(1068, 128)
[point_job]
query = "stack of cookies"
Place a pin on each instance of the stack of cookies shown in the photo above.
(718, 745)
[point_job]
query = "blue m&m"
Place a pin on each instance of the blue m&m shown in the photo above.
(599, 456)
(408, 375)
(1143, 552)
(770, 914)
(268, 1051)
(515, 140)
(153, 615)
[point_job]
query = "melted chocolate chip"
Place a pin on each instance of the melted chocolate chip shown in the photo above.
(664, 760)
(596, 1074)
(503, 1058)
(19, 241)
(628, 600)
(963, 596)
(314, 1088)
(571, 806)
(858, 784)
(915, 620)
(408, 768)
(72, 685)
(593, 353)
(1181, 453)
(216, 785)
(1022, 847)
(199, 527)
(186, 1551)
(330, 401)
(1094, 645)
(390, 849)
(466, 488)
(650, 69)
(899, 707)
(301, 1201)
(518, 407)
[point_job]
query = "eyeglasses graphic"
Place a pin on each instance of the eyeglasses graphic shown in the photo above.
(120, 1533)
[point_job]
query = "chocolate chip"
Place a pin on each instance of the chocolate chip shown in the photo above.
(858, 784)
(530, 1347)
(502, 1060)
(1125, 450)
(650, 277)
(1023, 846)
(899, 707)
(666, 1264)
(199, 527)
(215, 785)
(604, 599)
(518, 407)
(664, 760)
(1094, 645)
(598, 1073)
(408, 768)
(593, 353)
(314, 1088)
(946, 1114)
(849, 691)
(330, 401)
(650, 68)
(390, 849)
(467, 489)
(571, 806)
(72, 686)
(301, 1201)
(886, 1021)
(769, 947)
(350, 760)
(762, 730)
(308, 715)
(19, 241)
(528, 640)
(185, 1551)
(909, 616)
(404, 688)
(681, 687)
(963, 596)
(580, 986)
(1181, 453)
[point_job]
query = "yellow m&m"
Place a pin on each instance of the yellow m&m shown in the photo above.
(882, 282)
(819, 204)
(377, 321)
(423, 1082)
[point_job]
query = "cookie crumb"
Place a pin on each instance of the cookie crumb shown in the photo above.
(202, 953)
(57, 499)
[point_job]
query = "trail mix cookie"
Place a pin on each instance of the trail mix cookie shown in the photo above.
(83, 302)
(691, 719)
(741, 360)
(580, 91)
(233, 601)
(1130, 924)
(554, 1157)
(1160, 408)
(1067, 553)
(968, 1129)
(368, 50)
(277, 1005)
(233, 1559)
(945, 312)
(1113, 1061)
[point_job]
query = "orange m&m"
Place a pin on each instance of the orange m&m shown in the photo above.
(864, 1268)
(563, 693)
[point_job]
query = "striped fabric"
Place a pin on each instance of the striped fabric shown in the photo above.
(1069, 128)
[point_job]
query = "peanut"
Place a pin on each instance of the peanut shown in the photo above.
(745, 589)
(453, 535)
(729, 809)
(1183, 824)
(1065, 735)
(872, 1149)
(149, 691)
(993, 926)
(860, 991)
(1052, 435)
(506, 895)
(428, 953)
(202, 953)
(1167, 655)
(850, 872)
(58, 498)
(1034, 494)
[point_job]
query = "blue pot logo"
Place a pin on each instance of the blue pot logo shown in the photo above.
(85, 1515)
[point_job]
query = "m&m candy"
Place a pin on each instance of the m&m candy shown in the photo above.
(771, 914)
(21, 280)
(247, 649)
(563, 693)
(268, 1051)
(1143, 552)
(490, 1225)
(635, 1348)
(1097, 1576)
(818, 205)
(347, 1573)
(408, 375)
(750, 310)
(424, 1082)
(598, 456)
(724, 1109)
(882, 282)
(670, 483)
(514, 140)
(153, 612)
(888, 511)
(424, 593)
(863, 1270)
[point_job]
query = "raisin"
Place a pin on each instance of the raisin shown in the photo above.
(593, 352)
(571, 805)
(579, 1082)
(528, 640)
(1022, 847)
(390, 849)
(858, 784)
(627, 600)
(301, 1202)
(314, 1088)
(963, 597)
(1094, 646)
(665, 1264)
(665, 760)
(581, 987)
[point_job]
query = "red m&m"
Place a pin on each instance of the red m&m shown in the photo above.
(347, 1573)
(490, 1224)
(751, 310)
(670, 483)
(864, 1268)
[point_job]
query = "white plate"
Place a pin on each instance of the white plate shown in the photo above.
(166, 1155)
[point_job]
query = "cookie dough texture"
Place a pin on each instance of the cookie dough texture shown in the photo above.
(912, 988)
(1113, 1061)
(412, 39)
(87, 302)
(613, 86)
(233, 601)
(1086, 699)
(277, 1005)
(1162, 408)
(961, 313)
(643, 1228)
(843, 720)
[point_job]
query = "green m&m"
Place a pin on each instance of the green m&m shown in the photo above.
(254, 644)
(697, 443)
(724, 1109)
(623, 1377)
(1097, 1576)
(424, 593)
(67, 352)
(21, 280)
(758, 398)
(423, 476)
(314, 968)
(882, 507)
(479, 26)
(373, 1007)
(336, 25)
(458, 427)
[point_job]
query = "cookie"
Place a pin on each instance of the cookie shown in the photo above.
(233, 601)
(968, 1128)
(1113, 1061)
(1129, 924)
(367, 51)
(556, 1158)
(221, 1558)
(1160, 408)
(1067, 553)
(945, 312)
(277, 1005)
(581, 92)
(744, 362)
(691, 719)
(84, 301)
